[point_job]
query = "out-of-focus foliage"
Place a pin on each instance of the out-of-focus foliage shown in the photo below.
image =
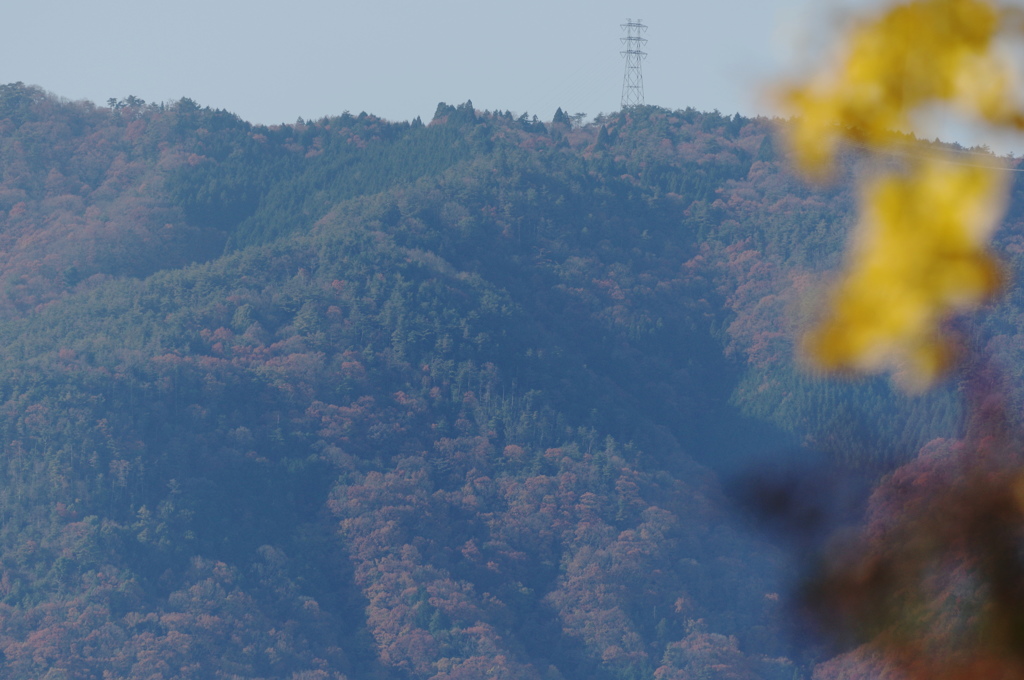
(915, 54)
(919, 252)
(919, 255)
(931, 586)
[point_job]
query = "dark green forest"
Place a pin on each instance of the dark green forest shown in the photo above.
(462, 399)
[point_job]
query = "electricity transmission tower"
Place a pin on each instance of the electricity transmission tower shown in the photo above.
(633, 78)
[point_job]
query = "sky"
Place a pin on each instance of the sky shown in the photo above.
(272, 63)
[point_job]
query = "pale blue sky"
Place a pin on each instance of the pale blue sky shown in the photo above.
(272, 62)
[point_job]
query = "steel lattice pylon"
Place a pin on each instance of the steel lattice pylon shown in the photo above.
(633, 78)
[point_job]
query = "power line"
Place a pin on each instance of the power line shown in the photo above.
(944, 154)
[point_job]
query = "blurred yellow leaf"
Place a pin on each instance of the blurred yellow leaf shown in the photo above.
(915, 54)
(919, 255)
(919, 252)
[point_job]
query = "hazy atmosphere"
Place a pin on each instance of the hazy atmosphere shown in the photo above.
(270, 63)
(306, 375)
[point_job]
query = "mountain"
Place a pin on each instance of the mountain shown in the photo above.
(360, 399)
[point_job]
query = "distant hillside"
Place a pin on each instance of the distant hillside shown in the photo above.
(353, 398)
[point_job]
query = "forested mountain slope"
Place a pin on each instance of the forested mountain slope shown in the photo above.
(353, 398)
